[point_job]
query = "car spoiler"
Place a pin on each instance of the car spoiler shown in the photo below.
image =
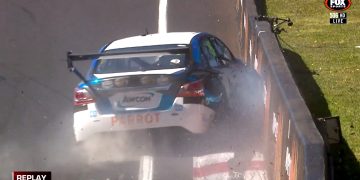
(76, 57)
(103, 102)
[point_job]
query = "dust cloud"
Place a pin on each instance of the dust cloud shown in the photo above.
(117, 148)
(48, 144)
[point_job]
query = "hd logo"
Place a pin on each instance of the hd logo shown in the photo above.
(338, 5)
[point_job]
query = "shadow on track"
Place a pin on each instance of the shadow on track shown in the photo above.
(261, 7)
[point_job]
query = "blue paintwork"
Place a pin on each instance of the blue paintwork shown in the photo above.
(167, 101)
(93, 81)
(211, 99)
(95, 62)
(195, 49)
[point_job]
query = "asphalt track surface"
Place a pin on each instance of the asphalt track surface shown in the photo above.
(36, 89)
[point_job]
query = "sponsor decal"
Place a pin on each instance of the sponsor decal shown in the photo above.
(178, 107)
(287, 161)
(135, 100)
(135, 119)
(93, 113)
(146, 97)
(279, 144)
(291, 155)
(31, 175)
(275, 126)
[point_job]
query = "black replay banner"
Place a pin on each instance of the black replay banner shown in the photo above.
(31, 175)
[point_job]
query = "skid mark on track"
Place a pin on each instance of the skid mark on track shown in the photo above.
(26, 11)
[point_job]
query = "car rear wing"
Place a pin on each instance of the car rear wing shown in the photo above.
(72, 57)
(102, 102)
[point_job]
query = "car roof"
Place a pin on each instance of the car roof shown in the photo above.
(153, 40)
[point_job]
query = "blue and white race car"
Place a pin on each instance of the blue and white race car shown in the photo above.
(154, 81)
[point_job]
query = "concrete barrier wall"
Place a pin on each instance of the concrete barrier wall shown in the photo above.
(294, 147)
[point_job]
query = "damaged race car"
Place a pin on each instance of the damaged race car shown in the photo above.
(154, 81)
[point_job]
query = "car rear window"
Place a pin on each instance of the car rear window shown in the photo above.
(140, 62)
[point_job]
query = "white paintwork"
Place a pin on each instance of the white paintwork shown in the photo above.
(161, 71)
(162, 16)
(194, 117)
(153, 39)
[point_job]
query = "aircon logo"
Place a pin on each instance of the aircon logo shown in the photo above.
(338, 5)
(139, 99)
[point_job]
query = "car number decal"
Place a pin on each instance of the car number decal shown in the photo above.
(133, 119)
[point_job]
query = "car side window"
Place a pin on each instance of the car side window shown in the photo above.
(209, 53)
(222, 51)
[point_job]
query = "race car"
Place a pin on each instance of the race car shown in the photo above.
(178, 79)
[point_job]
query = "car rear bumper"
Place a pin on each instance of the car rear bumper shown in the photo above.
(193, 117)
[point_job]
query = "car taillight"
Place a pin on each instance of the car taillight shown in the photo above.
(107, 84)
(192, 89)
(146, 80)
(121, 82)
(82, 97)
(162, 80)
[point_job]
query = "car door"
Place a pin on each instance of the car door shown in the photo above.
(219, 80)
(227, 66)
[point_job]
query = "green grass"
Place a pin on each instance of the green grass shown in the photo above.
(329, 54)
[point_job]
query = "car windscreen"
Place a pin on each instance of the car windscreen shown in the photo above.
(140, 62)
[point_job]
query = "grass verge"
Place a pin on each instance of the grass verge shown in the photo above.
(330, 83)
